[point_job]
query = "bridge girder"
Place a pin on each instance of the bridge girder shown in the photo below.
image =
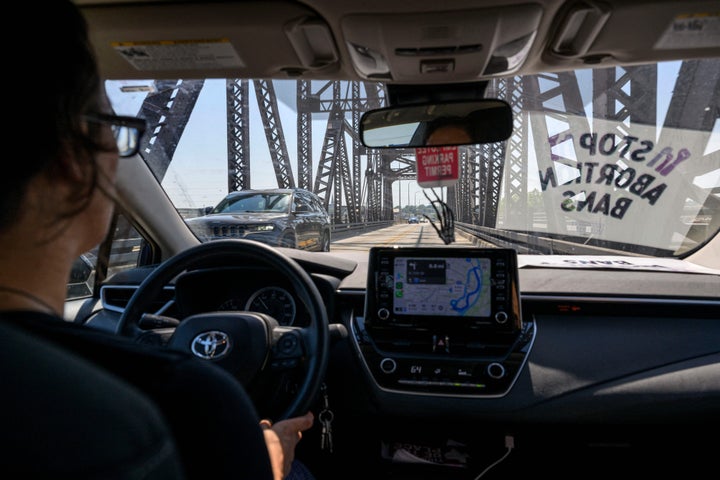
(366, 191)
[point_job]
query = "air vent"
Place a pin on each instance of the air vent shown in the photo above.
(116, 297)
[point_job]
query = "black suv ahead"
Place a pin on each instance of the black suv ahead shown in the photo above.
(293, 218)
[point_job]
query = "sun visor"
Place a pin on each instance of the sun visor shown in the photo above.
(457, 46)
(593, 32)
(257, 39)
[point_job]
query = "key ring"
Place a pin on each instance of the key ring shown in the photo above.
(326, 416)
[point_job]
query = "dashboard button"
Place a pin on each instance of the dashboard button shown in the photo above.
(501, 317)
(496, 370)
(388, 365)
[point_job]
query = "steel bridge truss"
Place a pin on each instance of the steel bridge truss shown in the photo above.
(355, 183)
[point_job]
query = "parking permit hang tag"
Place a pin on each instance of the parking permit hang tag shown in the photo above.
(437, 166)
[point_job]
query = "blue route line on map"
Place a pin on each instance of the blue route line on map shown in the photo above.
(455, 304)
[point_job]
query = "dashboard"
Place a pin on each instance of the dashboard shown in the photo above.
(443, 321)
(253, 288)
(576, 332)
(601, 361)
(594, 346)
(249, 289)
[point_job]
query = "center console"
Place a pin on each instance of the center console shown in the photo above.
(443, 321)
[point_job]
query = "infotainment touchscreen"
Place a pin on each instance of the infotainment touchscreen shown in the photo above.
(442, 286)
(433, 287)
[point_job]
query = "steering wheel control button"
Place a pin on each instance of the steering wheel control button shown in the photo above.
(284, 364)
(211, 345)
(288, 343)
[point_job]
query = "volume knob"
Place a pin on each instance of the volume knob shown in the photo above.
(501, 317)
(496, 370)
(388, 365)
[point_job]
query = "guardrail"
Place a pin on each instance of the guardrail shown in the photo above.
(532, 244)
(125, 251)
(353, 227)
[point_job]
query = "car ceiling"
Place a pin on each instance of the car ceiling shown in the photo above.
(399, 41)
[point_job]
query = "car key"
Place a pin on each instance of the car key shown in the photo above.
(325, 417)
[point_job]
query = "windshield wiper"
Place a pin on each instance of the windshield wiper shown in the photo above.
(445, 216)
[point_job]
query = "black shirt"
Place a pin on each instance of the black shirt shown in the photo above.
(214, 422)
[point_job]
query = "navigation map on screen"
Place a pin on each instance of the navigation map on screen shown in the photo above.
(467, 291)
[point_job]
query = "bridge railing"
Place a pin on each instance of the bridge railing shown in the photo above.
(532, 244)
(124, 252)
(339, 228)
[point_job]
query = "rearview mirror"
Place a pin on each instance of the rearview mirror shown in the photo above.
(437, 124)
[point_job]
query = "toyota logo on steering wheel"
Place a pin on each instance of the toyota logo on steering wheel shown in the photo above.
(211, 345)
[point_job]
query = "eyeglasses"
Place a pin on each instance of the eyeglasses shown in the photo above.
(126, 130)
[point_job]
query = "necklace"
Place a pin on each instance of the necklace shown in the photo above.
(29, 296)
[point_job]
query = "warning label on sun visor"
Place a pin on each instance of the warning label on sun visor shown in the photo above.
(179, 54)
(437, 166)
(699, 30)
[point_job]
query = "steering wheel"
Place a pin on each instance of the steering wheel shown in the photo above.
(250, 345)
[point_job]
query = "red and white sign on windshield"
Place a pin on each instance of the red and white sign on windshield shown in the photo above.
(437, 166)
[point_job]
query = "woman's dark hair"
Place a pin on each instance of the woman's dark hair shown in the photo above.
(60, 83)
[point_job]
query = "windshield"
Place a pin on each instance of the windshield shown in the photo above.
(254, 202)
(600, 161)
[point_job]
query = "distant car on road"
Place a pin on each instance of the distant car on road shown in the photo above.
(293, 218)
(413, 220)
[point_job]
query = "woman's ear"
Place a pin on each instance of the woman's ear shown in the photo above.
(73, 167)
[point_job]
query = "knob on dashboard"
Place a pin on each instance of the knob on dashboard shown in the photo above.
(388, 365)
(383, 314)
(501, 317)
(495, 370)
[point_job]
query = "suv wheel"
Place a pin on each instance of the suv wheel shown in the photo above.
(288, 240)
(325, 242)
